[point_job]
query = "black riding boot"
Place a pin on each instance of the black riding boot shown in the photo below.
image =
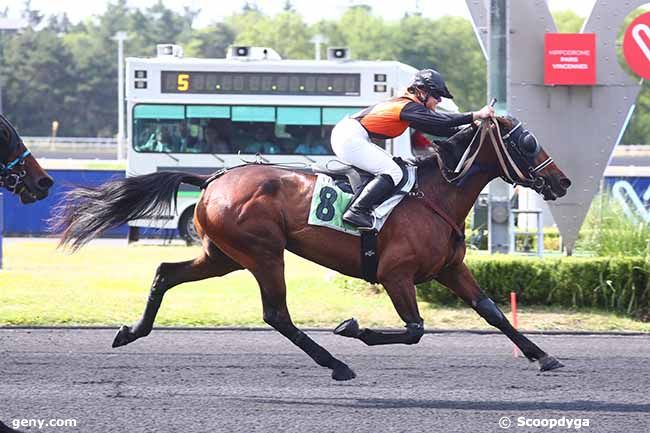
(375, 192)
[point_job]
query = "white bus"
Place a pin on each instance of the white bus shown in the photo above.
(200, 115)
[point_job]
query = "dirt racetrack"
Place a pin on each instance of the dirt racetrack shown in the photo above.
(256, 381)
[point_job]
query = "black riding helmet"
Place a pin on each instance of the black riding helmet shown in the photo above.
(431, 81)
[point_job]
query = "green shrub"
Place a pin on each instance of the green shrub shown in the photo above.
(608, 231)
(617, 284)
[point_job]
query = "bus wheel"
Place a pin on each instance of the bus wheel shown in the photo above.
(186, 227)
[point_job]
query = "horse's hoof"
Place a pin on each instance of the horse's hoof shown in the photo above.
(343, 372)
(348, 328)
(548, 363)
(123, 337)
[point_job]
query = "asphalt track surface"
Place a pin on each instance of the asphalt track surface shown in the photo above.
(256, 381)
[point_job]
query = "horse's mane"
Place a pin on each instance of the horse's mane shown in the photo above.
(446, 153)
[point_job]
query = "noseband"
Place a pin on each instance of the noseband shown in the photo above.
(10, 178)
(12, 173)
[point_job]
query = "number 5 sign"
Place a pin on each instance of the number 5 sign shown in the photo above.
(636, 45)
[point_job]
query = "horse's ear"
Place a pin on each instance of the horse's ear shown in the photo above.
(4, 135)
(505, 122)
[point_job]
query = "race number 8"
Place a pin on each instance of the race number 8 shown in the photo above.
(325, 210)
(183, 82)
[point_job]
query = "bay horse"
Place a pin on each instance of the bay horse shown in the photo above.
(248, 215)
(20, 173)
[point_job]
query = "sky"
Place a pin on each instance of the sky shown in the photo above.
(216, 10)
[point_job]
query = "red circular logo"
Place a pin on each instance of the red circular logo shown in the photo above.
(636, 45)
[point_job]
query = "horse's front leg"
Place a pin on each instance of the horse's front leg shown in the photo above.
(401, 290)
(461, 281)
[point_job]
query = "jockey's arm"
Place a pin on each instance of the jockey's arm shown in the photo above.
(432, 122)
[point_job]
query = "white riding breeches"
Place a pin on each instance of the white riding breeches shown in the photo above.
(351, 143)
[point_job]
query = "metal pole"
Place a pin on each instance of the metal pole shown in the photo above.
(540, 233)
(120, 37)
(499, 216)
(317, 40)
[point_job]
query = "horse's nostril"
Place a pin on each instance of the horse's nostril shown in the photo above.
(565, 183)
(45, 182)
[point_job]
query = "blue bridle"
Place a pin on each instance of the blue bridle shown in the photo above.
(8, 177)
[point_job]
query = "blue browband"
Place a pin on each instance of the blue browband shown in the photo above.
(18, 160)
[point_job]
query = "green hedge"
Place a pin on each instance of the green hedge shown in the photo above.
(612, 284)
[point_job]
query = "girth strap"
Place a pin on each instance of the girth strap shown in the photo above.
(369, 256)
(437, 209)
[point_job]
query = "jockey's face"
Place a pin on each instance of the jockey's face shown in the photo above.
(432, 102)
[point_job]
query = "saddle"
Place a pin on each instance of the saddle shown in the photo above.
(352, 179)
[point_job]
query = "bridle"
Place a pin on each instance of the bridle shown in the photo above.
(510, 154)
(12, 173)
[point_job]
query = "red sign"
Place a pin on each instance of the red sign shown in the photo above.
(570, 58)
(636, 45)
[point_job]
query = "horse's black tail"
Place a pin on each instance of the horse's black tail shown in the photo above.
(86, 212)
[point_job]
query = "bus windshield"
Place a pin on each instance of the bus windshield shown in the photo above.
(230, 129)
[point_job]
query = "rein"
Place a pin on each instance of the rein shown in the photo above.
(501, 150)
(509, 167)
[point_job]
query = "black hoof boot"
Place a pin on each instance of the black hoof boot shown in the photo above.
(343, 372)
(548, 363)
(348, 328)
(124, 336)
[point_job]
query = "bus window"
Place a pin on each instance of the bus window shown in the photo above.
(216, 137)
(298, 130)
(155, 127)
(231, 129)
(212, 123)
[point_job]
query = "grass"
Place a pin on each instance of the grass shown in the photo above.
(106, 283)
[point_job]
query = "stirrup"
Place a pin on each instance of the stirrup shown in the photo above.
(367, 224)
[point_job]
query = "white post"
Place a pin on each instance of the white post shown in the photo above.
(120, 37)
(317, 40)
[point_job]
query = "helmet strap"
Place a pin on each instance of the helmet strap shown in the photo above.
(421, 98)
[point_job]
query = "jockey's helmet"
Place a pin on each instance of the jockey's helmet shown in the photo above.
(431, 81)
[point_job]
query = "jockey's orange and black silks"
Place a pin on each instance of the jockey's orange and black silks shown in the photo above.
(389, 119)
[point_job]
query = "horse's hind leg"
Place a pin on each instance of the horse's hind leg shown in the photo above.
(213, 263)
(460, 280)
(270, 277)
(402, 293)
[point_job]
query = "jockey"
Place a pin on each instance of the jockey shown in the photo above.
(389, 119)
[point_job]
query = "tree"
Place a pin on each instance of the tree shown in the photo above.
(568, 21)
(211, 42)
(366, 35)
(39, 82)
(448, 45)
(286, 32)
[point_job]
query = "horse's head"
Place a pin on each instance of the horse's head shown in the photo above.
(523, 161)
(20, 173)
